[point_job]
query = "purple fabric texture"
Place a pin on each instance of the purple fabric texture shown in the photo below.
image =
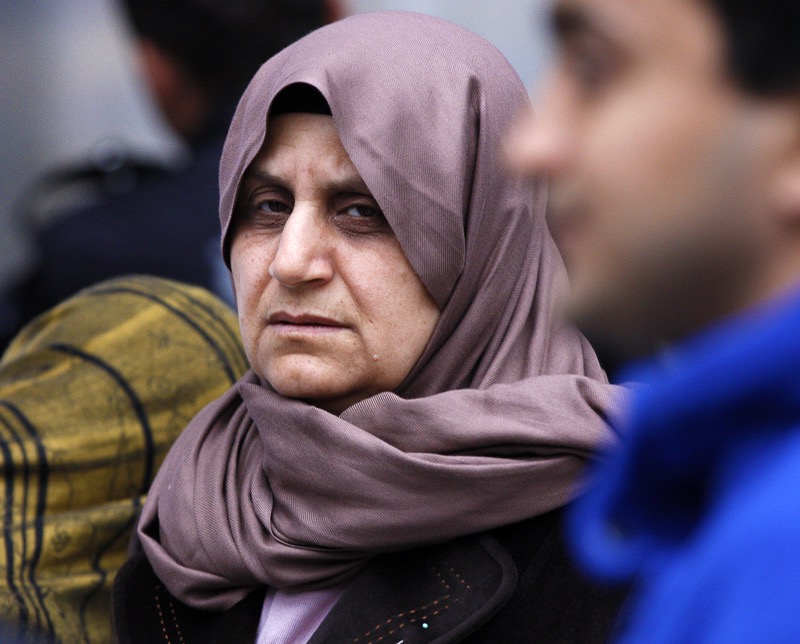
(501, 411)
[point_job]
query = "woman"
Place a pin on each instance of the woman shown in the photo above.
(410, 386)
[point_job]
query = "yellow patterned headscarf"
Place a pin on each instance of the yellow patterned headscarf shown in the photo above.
(92, 395)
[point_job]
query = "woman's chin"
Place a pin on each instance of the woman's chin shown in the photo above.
(324, 390)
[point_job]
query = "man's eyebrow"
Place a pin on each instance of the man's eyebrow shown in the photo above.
(569, 21)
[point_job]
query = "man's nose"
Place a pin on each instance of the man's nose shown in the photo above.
(542, 143)
(305, 250)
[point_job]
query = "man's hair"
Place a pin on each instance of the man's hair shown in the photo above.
(763, 43)
(222, 43)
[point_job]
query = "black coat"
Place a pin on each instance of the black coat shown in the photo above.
(513, 584)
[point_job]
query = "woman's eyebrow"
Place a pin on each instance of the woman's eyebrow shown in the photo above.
(349, 183)
(263, 177)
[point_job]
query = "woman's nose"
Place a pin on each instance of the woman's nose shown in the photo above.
(305, 253)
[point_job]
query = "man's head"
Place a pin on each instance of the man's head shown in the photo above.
(671, 132)
(196, 53)
(762, 48)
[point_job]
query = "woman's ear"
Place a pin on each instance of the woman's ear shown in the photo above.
(233, 289)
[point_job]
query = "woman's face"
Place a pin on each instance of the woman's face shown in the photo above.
(329, 308)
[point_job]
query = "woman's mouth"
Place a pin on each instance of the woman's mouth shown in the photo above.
(303, 323)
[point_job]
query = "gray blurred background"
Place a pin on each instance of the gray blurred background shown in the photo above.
(70, 89)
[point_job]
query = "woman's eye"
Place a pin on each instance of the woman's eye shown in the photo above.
(362, 219)
(268, 211)
(362, 210)
(272, 206)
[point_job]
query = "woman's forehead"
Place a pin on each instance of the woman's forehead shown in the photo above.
(299, 143)
(409, 96)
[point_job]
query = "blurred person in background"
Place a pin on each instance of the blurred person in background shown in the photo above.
(92, 395)
(196, 57)
(670, 130)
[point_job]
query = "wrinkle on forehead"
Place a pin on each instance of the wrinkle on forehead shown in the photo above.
(340, 173)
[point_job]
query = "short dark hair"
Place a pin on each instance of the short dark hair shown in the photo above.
(763, 43)
(222, 43)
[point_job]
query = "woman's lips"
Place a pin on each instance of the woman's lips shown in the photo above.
(303, 323)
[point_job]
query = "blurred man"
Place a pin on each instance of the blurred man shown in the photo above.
(196, 56)
(670, 130)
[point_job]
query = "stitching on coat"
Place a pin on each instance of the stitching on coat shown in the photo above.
(457, 576)
(175, 621)
(400, 626)
(161, 617)
(441, 577)
(408, 613)
(412, 614)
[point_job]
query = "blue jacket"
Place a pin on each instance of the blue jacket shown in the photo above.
(702, 503)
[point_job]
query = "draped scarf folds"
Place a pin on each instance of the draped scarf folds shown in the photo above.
(501, 411)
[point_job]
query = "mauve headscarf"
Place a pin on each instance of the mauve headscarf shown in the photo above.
(494, 422)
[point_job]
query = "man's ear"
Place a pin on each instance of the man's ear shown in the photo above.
(786, 182)
(787, 197)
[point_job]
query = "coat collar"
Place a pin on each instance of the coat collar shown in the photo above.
(436, 594)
